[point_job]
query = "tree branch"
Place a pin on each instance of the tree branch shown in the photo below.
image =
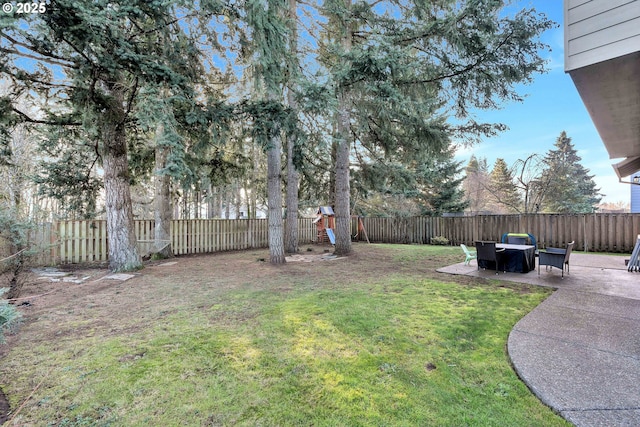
(39, 57)
(132, 95)
(481, 59)
(29, 119)
(78, 51)
(46, 57)
(44, 83)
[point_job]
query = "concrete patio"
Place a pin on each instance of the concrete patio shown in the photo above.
(603, 274)
(579, 351)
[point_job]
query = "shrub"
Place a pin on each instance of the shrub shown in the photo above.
(13, 236)
(439, 240)
(9, 317)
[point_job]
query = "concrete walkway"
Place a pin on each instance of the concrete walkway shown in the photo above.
(579, 351)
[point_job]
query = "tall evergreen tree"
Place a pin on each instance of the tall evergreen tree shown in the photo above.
(161, 154)
(86, 61)
(429, 181)
(476, 184)
(292, 88)
(342, 25)
(569, 186)
(269, 45)
(397, 69)
(502, 188)
(440, 182)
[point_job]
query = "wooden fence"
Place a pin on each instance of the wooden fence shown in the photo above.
(591, 232)
(86, 241)
(64, 242)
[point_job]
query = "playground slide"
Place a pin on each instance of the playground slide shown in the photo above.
(332, 237)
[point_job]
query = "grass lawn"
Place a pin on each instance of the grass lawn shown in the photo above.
(378, 339)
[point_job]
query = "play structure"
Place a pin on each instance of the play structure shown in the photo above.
(361, 230)
(325, 225)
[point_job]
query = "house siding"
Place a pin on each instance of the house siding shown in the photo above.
(599, 30)
(635, 193)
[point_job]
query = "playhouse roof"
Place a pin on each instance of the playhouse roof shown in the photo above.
(325, 210)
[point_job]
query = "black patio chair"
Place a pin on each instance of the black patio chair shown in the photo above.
(486, 251)
(555, 257)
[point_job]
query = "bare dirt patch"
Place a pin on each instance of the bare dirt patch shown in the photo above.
(87, 292)
(313, 257)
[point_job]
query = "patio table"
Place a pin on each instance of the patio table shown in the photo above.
(517, 258)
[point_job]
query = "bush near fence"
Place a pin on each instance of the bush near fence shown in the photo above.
(85, 241)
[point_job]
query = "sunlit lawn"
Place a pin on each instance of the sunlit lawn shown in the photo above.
(393, 350)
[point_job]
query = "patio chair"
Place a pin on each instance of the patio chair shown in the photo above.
(555, 257)
(469, 254)
(519, 239)
(486, 251)
(513, 240)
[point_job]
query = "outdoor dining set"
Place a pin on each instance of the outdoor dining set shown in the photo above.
(517, 252)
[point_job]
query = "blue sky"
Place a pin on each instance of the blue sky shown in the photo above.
(552, 104)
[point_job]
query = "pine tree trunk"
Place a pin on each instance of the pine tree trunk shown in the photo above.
(227, 202)
(291, 230)
(163, 212)
(249, 196)
(210, 202)
(215, 202)
(237, 191)
(254, 182)
(176, 208)
(291, 224)
(196, 204)
(343, 197)
(123, 251)
(185, 204)
(220, 202)
(332, 177)
(274, 194)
